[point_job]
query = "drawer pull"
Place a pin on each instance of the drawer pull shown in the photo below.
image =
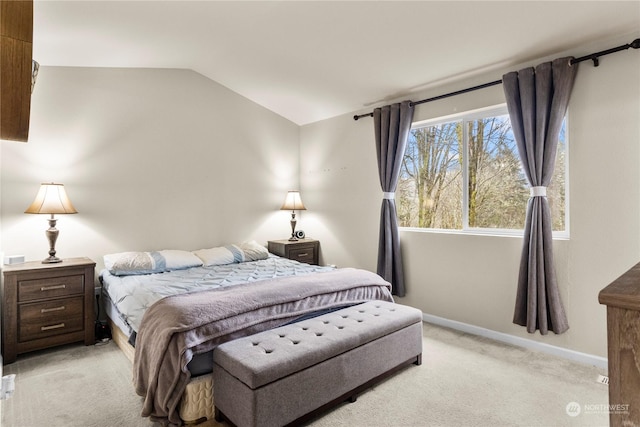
(48, 310)
(48, 328)
(302, 255)
(51, 288)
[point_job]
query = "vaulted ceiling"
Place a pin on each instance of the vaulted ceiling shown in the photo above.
(311, 60)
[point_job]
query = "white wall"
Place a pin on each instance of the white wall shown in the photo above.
(151, 159)
(472, 279)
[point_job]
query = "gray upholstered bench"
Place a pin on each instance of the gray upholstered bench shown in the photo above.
(288, 374)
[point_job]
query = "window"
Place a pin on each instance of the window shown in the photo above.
(464, 173)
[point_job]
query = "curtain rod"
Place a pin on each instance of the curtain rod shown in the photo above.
(593, 57)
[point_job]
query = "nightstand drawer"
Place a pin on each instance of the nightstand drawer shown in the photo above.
(31, 290)
(45, 319)
(305, 254)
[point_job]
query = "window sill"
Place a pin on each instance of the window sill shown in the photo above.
(557, 235)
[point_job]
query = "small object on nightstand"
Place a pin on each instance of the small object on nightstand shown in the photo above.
(303, 250)
(45, 305)
(14, 259)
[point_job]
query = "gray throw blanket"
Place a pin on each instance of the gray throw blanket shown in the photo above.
(175, 328)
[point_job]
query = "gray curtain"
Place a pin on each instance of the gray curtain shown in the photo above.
(537, 102)
(392, 125)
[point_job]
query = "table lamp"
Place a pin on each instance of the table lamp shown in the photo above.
(51, 199)
(292, 203)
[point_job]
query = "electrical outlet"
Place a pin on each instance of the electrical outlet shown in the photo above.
(603, 380)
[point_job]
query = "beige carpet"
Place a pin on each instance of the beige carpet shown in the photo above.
(464, 381)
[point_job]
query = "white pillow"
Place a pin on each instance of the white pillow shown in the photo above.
(125, 263)
(216, 256)
(179, 260)
(254, 251)
(247, 251)
(130, 263)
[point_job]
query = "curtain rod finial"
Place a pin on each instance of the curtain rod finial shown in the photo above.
(359, 116)
(635, 44)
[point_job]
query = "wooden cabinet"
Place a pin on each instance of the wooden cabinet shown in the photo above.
(44, 305)
(16, 33)
(303, 250)
(622, 298)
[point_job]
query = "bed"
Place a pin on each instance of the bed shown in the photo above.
(170, 309)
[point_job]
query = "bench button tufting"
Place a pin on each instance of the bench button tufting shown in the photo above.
(318, 334)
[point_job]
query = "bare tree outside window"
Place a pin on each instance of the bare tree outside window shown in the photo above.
(480, 155)
(430, 185)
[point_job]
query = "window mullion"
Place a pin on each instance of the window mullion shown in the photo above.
(465, 176)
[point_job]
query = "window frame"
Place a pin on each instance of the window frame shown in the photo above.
(494, 110)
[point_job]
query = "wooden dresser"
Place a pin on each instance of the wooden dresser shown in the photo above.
(622, 298)
(44, 305)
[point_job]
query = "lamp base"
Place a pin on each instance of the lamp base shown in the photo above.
(52, 236)
(293, 221)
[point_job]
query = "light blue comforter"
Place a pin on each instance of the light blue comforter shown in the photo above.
(132, 295)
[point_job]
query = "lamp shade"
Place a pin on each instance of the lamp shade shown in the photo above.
(293, 202)
(51, 199)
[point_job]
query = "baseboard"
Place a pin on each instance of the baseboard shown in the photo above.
(576, 356)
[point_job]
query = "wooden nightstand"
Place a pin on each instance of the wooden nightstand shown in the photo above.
(44, 305)
(303, 250)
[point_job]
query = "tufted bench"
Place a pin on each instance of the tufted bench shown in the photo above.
(288, 374)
